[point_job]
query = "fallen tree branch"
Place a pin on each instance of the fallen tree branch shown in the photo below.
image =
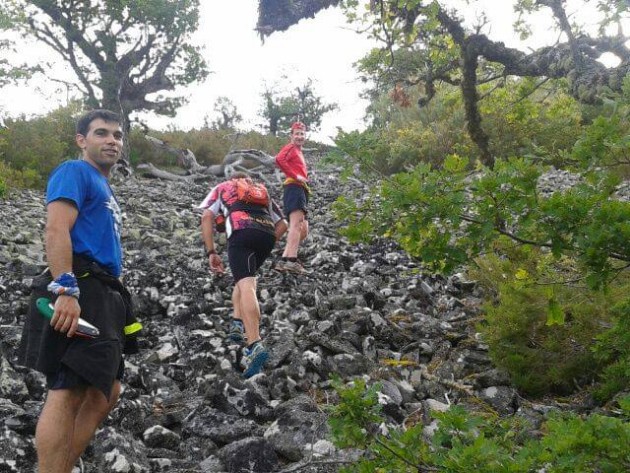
(149, 170)
(238, 160)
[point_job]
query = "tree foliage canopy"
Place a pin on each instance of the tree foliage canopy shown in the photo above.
(279, 15)
(427, 42)
(124, 53)
(11, 72)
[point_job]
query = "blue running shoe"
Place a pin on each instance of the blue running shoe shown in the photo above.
(237, 332)
(255, 359)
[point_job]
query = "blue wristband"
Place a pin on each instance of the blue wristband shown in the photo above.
(65, 285)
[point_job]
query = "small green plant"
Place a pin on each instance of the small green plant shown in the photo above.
(360, 404)
(596, 443)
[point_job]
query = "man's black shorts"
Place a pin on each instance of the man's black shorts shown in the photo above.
(67, 378)
(247, 251)
(295, 198)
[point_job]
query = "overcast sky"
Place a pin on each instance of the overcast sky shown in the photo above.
(323, 49)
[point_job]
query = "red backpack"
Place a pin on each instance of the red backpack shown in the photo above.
(251, 193)
(248, 194)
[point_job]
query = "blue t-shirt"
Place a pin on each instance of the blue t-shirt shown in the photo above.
(96, 232)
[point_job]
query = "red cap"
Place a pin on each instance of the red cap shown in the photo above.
(298, 126)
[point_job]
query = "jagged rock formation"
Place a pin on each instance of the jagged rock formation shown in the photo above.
(363, 310)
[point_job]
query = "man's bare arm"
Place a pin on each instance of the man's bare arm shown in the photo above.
(61, 216)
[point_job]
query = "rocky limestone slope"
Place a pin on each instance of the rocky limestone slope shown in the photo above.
(363, 311)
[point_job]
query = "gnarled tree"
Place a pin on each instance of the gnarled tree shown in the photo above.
(124, 53)
(445, 50)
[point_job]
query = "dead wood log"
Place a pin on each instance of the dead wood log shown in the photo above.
(250, 161)
(149, 170)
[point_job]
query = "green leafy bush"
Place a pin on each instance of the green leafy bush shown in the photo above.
(15, 179)
(521, 119)
(541, 324)
(40, 143)
(613, 350)
(445, 218)
(595, 444)
(518, 118)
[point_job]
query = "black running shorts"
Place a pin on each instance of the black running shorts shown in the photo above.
(67, 378)
(295, 198)
(247, 251)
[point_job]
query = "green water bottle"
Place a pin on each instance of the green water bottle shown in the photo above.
(84, 329)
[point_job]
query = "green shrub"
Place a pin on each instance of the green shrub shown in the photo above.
(518, 118)
(521, 120)
(594, 444)
(17, 179)
(612, 349)
(539, 325)
(41, 143)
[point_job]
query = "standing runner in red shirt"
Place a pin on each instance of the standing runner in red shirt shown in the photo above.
(291, 162)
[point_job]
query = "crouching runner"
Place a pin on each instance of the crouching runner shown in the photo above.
(253, 224)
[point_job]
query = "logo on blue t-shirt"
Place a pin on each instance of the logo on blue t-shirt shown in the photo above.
(113, 206)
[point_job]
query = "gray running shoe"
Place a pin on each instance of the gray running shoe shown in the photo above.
(255, 359)
(237, 332)
(290, 267)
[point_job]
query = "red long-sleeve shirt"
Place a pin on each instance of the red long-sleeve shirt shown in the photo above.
(291, 162)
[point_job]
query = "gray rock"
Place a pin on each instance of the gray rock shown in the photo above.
(295, 431)
(12, 386)
(249, 454)
(117, 453)
(212, 464)
(503, 399)
(333, 344)
(349, 365)
(218, 427)
(18, 454)
(161, 437)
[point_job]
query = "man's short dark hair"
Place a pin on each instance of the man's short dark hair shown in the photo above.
(83, 124)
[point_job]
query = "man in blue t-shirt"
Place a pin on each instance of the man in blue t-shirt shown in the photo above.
(84, 257)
